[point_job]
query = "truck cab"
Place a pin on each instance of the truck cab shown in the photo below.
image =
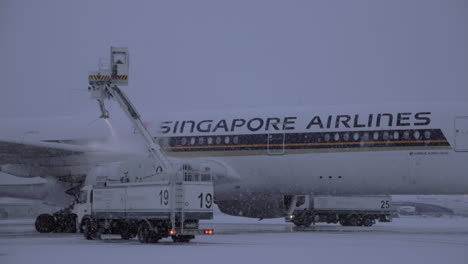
(82, 206)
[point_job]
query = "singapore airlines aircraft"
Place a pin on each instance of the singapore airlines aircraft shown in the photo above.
(265, 155)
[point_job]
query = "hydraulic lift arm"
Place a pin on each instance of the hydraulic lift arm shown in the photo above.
(104, 86)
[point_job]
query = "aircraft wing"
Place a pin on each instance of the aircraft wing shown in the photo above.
(37, 152)
(64, 161)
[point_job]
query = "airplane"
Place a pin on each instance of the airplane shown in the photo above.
(266, 155)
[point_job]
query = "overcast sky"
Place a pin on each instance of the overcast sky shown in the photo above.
(192, 55)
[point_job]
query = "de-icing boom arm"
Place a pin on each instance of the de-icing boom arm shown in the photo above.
(103, 85)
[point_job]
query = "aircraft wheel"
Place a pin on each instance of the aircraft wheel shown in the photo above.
(45, 223)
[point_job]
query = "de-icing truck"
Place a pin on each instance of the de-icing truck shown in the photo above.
(150, 210)
(168, 203)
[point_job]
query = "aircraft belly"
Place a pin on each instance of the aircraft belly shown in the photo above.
(444, 172)
(340, 173)
(396, 172)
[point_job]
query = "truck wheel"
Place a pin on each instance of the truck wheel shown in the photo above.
(155, 236)
(367, 221)
(343, 221)
(144, 233)
(87, 229)
(45, 223)
(90, 230)
(353, 220)
(182, 239)
(302, 222)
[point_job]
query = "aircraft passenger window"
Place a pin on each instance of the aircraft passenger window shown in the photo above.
(365, 137)
(235, 140)
(356, 136)
(337, 137)
(192, 141)
(396, 135)
(406, 135)
(201, 141)
(218, 140)
(386, 135)
(327, 137)
(427, 134)
(417, 135)
(226, 140)
(210, 140)
(346, 136)
(183, 142)
(376, 136)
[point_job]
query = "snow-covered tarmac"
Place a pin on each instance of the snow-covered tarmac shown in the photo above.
(239, 240)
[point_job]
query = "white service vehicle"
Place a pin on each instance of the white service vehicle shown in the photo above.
(149, 210)
(347, 210)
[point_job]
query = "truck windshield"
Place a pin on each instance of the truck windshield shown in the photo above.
(83, 196)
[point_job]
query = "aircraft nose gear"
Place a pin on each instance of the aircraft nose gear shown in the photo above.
(45, 223)
(61, 221)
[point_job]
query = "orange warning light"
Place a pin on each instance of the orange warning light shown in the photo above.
(208, 232)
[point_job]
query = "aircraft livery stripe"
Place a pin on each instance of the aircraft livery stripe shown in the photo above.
(308, 144)
(425, 138)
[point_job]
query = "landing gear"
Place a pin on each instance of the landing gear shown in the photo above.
(45, 223)
(59, 222)
(63, 221)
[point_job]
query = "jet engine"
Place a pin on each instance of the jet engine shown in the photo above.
(258, 206)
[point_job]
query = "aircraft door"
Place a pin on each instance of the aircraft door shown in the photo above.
(275, 144)
(461, 134)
